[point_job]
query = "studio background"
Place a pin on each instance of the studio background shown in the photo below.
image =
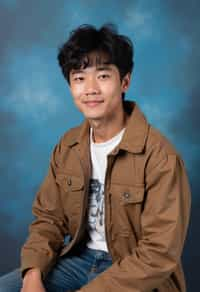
(36, 107)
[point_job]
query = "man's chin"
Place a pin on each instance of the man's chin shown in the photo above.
(93, 118)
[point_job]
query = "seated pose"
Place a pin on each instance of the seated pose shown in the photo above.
(113, 211)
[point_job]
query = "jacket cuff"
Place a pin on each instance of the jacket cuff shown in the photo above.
(34, 262)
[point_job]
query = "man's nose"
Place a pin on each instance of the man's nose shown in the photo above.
(91, 86)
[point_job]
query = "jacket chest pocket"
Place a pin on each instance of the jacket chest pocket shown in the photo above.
(71, 190)
(126, 208)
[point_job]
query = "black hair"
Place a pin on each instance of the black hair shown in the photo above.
(117, 48)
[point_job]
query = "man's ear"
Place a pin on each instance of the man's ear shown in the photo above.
(126, 82)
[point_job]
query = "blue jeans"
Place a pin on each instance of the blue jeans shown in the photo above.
(71, 272)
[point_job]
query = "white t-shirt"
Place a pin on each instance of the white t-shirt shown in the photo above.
(96, 227)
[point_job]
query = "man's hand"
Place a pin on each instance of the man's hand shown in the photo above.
(32, 281)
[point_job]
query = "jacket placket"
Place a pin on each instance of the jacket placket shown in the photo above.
(107, 203)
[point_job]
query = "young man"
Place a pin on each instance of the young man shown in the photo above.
(116, 188)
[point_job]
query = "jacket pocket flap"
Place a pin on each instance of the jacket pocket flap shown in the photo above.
(69, 182)
(127, 194)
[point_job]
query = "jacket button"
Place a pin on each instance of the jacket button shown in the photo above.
(126, 195)
(69, 181)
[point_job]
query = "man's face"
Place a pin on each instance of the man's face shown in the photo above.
(97, 90)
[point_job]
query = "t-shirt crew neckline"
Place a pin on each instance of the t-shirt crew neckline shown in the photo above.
(108, 142)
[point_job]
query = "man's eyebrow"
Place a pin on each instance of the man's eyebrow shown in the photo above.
(75, 71)
(104, 67)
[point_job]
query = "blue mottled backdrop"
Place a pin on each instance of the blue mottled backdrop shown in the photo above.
(36, 107)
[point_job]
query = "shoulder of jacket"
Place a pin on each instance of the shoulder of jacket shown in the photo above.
(160, 151)
(157, 140)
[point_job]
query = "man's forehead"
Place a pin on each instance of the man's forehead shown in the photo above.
(108, 67)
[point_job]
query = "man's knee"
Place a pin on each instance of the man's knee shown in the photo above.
(11, 282)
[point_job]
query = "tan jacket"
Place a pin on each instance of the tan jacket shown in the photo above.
(147, 206)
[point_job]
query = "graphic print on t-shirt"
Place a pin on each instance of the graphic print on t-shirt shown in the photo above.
(96, 207)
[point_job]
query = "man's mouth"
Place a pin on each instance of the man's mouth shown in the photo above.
(93, 103)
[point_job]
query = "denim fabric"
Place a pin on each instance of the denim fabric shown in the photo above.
(70, 272)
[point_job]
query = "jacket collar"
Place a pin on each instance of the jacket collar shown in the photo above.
(136, 132)
(134, 137)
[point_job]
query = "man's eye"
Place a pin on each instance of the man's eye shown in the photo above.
(104, 76)
(78, 78)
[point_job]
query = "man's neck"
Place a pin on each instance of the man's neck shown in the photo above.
(104, 130)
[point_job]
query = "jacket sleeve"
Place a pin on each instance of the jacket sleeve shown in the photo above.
(164, 224)
(46, 233)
